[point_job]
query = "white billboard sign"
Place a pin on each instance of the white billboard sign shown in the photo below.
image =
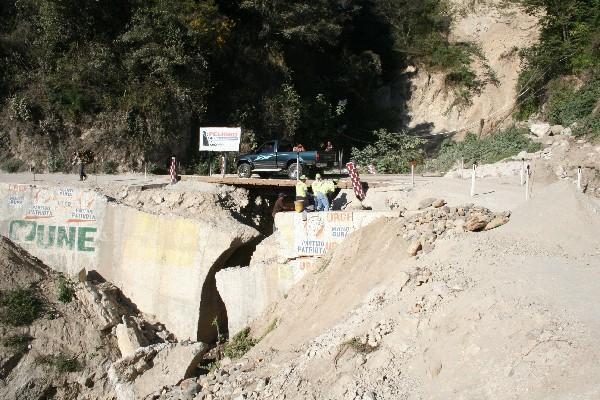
(220, 139)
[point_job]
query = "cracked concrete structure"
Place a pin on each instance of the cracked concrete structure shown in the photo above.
(298, 247)
(164, 264)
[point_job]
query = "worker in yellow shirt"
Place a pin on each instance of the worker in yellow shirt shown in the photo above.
(319, 191)
(328, 187)
(301, 189)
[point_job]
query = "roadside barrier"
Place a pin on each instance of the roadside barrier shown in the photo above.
(356, 185)
(173, 171)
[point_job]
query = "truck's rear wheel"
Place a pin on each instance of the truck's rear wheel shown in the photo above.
(244, 170)
(292, 171)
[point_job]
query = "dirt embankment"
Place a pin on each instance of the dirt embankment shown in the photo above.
(504, 314)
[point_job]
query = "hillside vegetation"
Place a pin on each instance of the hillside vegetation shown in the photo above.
(560, 79)
(133, 80)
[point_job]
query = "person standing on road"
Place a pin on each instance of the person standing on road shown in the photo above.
(321, 202)
(78, 160)
(301, 189)
(328, 187)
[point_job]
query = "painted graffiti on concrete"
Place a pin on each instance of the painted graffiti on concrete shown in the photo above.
(50, 236)
(321, 232)
(82, 215)
(16, 201)
(39, 211)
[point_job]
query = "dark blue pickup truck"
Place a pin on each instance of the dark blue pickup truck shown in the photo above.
(278, 157)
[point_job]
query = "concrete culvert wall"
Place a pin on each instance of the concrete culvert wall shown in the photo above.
(297, 248)
(160, 262)
(212, 307)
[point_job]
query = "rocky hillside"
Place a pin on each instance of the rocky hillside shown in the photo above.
(61, 339)
(499, 30)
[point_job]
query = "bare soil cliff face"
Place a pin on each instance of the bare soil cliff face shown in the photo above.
(499, 29)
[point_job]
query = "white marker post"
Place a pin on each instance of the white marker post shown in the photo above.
(462, 168)
(297, 166)
(412, 173)
(527, 183)
(222, 166)
(145, 172)
(473, 180)
(579, 178)
(522, 171)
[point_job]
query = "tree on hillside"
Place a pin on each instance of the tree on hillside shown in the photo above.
(569, 44)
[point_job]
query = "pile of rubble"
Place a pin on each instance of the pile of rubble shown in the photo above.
(435, 219)
(232, 380)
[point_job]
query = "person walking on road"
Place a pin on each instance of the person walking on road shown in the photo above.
(321, 202)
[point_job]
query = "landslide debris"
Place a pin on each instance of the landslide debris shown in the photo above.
(503, 313)
(92, 344)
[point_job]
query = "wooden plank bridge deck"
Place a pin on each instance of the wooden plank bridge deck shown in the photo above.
(233, 180)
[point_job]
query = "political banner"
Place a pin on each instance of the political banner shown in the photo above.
(220, 139)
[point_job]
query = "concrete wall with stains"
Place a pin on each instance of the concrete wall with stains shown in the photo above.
(299, 247)
(159, 262)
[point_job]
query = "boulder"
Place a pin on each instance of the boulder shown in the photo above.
(567, 132)
(129, 337)
(190, 387)
(556, 129)
(151, 368)
(540, 129)
(476, 222)
(101, 303)
(438, 203)
(414, 247)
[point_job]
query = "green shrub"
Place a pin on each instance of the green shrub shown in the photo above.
(566, 105)
(19, 307)
(65, 290)
(61, 362)
(203, 166)
(239, 345)
(490, 149)
(590, 127)
(156, 169)
(57, 163)
(110, 167)
(12, 165)
(391, 153)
